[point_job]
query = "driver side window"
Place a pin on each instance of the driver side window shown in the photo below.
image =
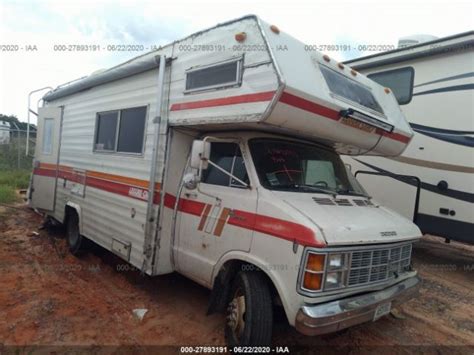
(228, 157)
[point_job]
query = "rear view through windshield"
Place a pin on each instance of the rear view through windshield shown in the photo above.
(349, 89)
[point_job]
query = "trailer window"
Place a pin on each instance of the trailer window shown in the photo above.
(349, 89)
(214, 76)
(132, 128)
(399, 80)
(121, 131)
(229, 157)
(106, 131)
(48, 136)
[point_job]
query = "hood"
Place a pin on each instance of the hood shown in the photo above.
(351, 219)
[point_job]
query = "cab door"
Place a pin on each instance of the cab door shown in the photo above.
(43, 188)
(215, 217)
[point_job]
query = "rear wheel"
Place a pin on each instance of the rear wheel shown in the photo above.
(76, 242)
(249, 319)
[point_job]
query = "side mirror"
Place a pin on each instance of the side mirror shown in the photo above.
(200, 154)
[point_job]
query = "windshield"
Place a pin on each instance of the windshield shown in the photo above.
(300, 167)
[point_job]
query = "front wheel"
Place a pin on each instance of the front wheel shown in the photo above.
(249, 319)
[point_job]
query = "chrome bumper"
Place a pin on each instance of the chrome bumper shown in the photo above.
(333, 316)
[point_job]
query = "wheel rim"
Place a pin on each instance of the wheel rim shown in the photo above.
(236, 314)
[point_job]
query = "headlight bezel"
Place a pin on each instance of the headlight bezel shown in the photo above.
(324, 287)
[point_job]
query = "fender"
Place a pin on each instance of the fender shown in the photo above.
(219, 289)
(78, 210)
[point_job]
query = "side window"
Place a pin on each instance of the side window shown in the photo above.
(121, 131)
(214, 76)
(106, 131)
(229, 157)
(48, 136)
(399, 80)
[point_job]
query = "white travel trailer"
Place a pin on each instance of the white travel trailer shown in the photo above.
(4, 132)
(434, 84)
(217, 156)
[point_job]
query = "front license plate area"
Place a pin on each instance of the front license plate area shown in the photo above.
(382, 310)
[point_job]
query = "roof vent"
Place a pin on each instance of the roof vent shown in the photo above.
(412, 40)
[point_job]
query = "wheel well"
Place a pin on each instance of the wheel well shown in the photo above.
(68, 211)
(223, 283)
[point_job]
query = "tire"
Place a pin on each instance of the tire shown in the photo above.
(76, 242)
(249, 319)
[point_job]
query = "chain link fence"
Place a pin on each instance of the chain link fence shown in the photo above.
(13, 149)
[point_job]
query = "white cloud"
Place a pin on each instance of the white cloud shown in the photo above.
(46, 23)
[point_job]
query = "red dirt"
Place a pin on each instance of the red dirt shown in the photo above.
(48, 297)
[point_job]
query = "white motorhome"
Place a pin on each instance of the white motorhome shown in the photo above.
(434, 84)
(217, 156)
(4, 132)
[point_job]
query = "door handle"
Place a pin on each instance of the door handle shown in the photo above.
(191, 194)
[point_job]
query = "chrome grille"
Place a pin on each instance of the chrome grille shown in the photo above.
(377, 265)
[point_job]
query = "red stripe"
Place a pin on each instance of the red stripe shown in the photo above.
(187, 206)
(315, 108)
(117, 188)
(396, 136)
(279, 228)
(276, 227)
(309, 106)
(44, 172)
(224, 101)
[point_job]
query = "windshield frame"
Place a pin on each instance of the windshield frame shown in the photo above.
(355, 188)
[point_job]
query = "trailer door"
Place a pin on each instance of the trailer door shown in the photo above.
(43, 189)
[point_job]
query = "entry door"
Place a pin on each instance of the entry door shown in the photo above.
(213, 218)
(43, 190)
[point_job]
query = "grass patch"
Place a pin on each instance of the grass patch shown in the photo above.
(7, 194)
(10, 181)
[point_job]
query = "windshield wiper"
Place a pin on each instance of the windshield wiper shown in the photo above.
(351, 192)
(308, 187)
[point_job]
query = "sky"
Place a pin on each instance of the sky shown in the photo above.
(32, 32)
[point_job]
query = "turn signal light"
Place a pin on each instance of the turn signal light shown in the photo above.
(312, 281)
(240, 37)
(275, 29)
(315, 262)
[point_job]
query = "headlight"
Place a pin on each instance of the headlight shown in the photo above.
(334, 280)
(324, 272)
(336, 261)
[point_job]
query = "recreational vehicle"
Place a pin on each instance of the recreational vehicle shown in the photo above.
(218, 157)
(434, 84)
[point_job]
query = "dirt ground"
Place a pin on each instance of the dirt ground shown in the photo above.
(48, 297)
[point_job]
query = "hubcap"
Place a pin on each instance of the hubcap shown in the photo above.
(236, 314)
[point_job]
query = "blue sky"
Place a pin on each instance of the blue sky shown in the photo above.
(49, 22)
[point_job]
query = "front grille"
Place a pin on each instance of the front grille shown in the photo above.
(368, 266)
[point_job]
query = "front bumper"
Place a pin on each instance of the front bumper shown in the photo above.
(333, 316)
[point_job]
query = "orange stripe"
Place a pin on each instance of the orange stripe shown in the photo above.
(205, 214)
(121, 179)
(47, 166)
(221, 223)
